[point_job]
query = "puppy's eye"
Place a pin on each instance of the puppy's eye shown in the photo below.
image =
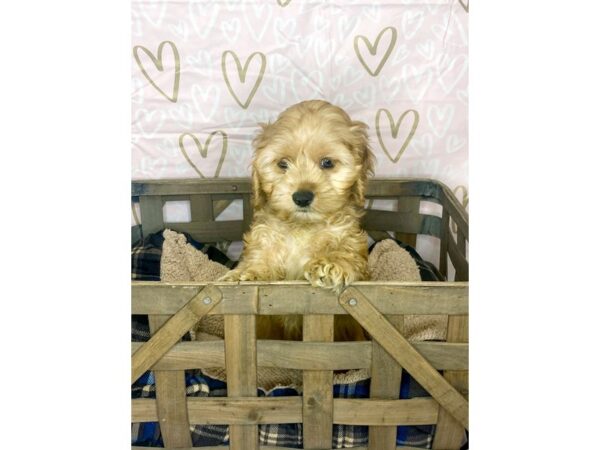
(326, 163)
(282, 164)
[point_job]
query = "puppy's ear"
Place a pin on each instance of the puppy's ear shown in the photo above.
(366, 160)
(258, 196)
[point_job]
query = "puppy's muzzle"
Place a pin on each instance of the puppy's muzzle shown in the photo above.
(303, 198)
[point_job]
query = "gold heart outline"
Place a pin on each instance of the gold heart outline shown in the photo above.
(242, 74)
(373, 49)
(283, 3)
(395, 128)
(465, 7)
(159, 65)
(203, 149)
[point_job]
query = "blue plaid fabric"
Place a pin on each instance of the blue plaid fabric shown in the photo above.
(146, 266)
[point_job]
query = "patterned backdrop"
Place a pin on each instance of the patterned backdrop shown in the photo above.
(204, 73)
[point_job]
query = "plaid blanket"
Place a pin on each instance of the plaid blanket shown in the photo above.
(145, 265)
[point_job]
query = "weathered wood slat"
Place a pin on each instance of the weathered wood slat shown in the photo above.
(386, 375)
(265, 410)
(317, 385)
(462, 248)
(171, 400)
(444, 238)
(228, 230)
(449, 432)
(298, 297)
(390, 299)
(400, 349)
(240, 360)
(185, 318)
(227, 410)
(186, 186)
(247, 210)
(305, 355)
(444, 355)
(392, 221)
(462, 245)
(227, 198)
(377, 187)
(458, 260)
(409, 205)
(201, 208)
(245, 410)
(455, 209)
(404, 187)
(380, 413)
(151, 210)
(407, 224)
(379, 235)
(144, 410)
(174, 198)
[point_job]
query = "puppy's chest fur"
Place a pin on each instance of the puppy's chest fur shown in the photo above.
(291, 248)
(298, 248)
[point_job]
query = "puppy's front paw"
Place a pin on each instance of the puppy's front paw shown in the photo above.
(326, 274)
(232, 275)
(241, 275)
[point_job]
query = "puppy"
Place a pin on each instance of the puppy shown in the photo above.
(309, 176)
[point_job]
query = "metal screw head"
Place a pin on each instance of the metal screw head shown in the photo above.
(352, 302)
(207, 300)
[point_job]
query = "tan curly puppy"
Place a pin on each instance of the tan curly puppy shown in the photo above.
(309, 176)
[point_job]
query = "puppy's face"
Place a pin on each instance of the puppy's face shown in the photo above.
(311, 163)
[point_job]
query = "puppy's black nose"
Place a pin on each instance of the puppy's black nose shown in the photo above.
(303, 198)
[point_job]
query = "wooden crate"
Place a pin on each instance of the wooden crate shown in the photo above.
(173, 308)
